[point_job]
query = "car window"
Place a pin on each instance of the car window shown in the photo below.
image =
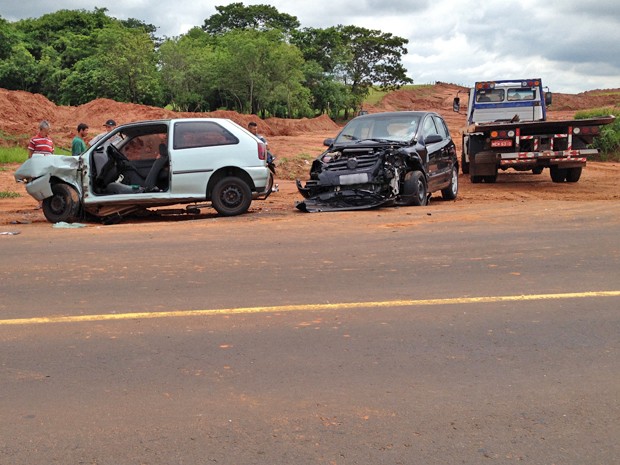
(143, 147)
(441, 127)
(429, 126)
(201, 134)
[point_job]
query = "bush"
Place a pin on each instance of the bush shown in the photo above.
(608, 143)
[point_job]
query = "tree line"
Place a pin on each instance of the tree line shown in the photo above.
(250, 59)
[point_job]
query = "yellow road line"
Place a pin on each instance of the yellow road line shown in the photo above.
(307, 307)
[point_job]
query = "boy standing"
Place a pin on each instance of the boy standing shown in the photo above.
(78, 146)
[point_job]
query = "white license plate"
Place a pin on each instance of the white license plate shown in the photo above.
(357, 178)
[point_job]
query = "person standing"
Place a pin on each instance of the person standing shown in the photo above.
(253, 128)
(108, 125)
(78, 146)
(41, 143)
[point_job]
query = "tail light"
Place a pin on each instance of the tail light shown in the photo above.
(502, 134)
(262, 151)
(586, 130)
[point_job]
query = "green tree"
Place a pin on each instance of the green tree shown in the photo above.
(188, 71)
(8, 38)
(356, 57)
(123, 68)
(258, 71)
(259, 17)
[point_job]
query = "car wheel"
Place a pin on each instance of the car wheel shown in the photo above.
(450, 192)
(573, 174)
(63, 205)
(558, 174)
(231, 196)
(414, 188)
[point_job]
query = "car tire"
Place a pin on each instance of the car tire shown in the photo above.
(414, 189)
(537, 170)
(231, 196)
(450, 192)
(63, 205)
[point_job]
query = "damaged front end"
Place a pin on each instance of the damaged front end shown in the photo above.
(354, 177)
(38, 171)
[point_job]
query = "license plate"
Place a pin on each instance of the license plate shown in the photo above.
(501, 143)
(357, 178)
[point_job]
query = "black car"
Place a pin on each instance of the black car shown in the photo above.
(381, 159)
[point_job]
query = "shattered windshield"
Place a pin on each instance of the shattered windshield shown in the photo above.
(400, 128)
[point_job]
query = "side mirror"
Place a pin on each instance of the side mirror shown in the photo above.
(456, 104)
(548, 98)
(328, 142)
(432, 139)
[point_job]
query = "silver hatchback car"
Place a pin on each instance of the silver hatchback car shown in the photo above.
(148, 164)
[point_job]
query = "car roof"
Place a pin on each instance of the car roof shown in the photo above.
(386, 114)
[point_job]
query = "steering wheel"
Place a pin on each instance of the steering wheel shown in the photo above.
(117, 155)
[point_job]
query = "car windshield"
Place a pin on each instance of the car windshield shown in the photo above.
(397, 128)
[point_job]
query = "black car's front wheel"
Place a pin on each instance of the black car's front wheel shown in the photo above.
(63, 205)
(231, 196)
(414, 189)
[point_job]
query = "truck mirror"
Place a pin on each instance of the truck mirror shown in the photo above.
(328, 142)
(548, 98)
(456, 104)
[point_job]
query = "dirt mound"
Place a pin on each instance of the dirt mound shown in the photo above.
(22, 111)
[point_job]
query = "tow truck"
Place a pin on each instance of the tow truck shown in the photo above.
(507, 128)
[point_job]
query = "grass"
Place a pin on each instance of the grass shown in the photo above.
(9, 195)
(20, 154)
(13, 154)
(375, 95)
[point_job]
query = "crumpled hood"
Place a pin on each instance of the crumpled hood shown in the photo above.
(60, 166)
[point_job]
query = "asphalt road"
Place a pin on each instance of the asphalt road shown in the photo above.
(445, 335)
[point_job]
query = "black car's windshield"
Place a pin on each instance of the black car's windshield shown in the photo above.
(380, 128)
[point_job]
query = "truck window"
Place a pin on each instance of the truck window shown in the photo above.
(490, 95)
(521, 94)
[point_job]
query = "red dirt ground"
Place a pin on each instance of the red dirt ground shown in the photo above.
(297, 142)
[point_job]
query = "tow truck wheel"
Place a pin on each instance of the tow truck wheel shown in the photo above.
(573, 174)
(464, 165)
(63, 205)
(558, 174)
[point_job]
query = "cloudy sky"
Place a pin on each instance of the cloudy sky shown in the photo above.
(572, 45)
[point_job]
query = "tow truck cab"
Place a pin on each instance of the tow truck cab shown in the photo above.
(506, 100)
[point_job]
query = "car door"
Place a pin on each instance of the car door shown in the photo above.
(448, 151)
(434, 143)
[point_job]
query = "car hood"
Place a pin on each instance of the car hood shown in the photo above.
(60, 166)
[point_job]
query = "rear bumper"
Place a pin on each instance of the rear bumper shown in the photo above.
(567, 158)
